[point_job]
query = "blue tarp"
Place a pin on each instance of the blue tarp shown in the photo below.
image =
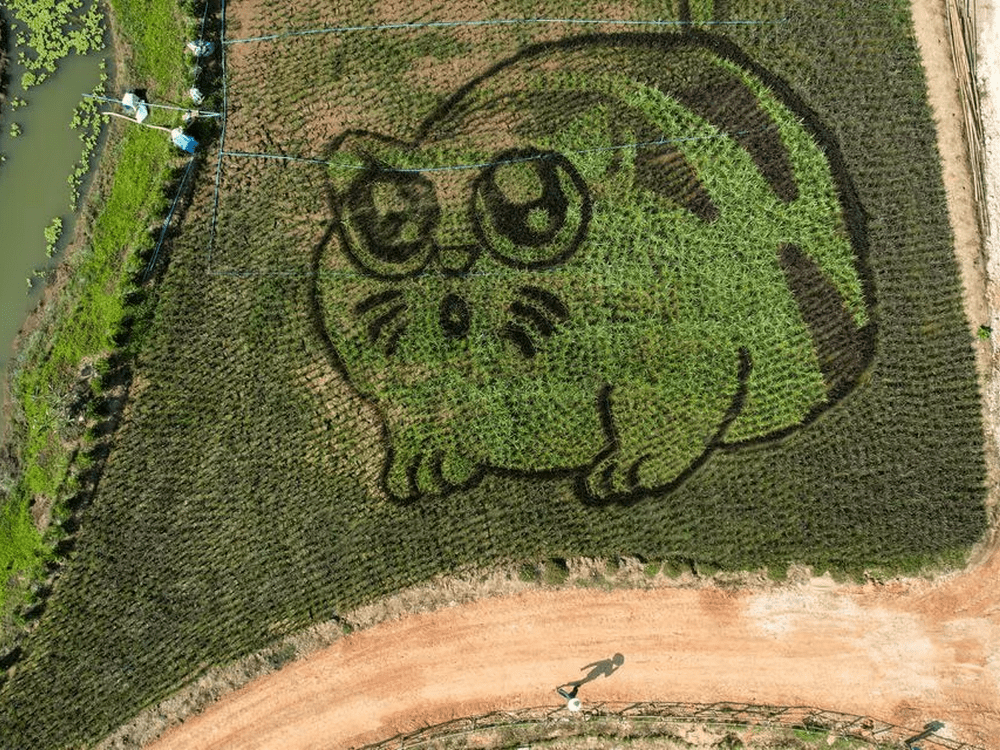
(182, 141)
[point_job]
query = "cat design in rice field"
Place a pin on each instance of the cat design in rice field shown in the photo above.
(605, 258)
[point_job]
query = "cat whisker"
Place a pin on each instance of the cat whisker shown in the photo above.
(387, 327)
(549, 301)
(376, 300)
(533, 315)
(376, 327)
(520, 338)
(541, 311)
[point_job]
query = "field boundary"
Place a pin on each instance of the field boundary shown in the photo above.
(809, 718)
(962, 29)
(222, 134)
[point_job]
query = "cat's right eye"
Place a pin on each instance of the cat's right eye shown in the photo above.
(531, 208)
(388, 220)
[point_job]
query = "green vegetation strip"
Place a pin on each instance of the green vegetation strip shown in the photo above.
(81, 330)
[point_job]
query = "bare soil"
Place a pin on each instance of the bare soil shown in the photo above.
(905, 651)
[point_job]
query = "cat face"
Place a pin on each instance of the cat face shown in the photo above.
(606, 257)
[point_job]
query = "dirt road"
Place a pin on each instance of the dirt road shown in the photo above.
(907, 652)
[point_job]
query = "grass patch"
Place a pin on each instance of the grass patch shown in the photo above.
(555, 572)
(528, 572)
(154, 31)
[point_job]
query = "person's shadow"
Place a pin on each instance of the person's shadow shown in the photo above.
(605, 667)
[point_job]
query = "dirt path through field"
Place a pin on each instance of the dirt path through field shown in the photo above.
(907, 659)
(906, 652)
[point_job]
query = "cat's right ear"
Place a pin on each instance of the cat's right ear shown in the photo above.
(356, 151)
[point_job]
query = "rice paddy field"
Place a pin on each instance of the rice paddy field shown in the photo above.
(467, 283)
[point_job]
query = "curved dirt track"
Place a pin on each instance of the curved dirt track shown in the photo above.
(906, 652)
(903, 654)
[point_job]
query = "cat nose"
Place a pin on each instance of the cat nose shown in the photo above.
(457, 259)
(455, 316)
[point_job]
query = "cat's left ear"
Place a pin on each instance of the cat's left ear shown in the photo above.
(356, 151)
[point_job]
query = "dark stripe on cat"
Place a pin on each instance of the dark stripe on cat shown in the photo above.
(842, 348)
(728, 103)
(537, 319)
(551, 302)
(375, 300)
(684, 11)
(376, 326)
(520, 338)
(393, 342)
(664, 170)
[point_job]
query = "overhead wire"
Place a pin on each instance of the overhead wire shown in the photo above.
(166, 222)
(156, 106)
(486, 164)
(222, 138)
(501, 22)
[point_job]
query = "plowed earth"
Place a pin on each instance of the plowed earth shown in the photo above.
(905, 651)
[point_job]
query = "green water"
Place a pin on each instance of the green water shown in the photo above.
(33, 185)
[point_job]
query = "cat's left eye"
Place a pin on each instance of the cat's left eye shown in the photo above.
(388, 218)
(531, 208)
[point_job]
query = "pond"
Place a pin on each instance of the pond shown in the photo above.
(33, 185)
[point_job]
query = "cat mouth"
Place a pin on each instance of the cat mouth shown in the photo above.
(536, 313)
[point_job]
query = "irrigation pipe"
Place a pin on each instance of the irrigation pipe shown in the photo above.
(166, 222)
(501, 22)
(132, 120)
(222, 139)
(158, 106)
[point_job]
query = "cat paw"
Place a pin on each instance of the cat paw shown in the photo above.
(429, 473)
(612, 478)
